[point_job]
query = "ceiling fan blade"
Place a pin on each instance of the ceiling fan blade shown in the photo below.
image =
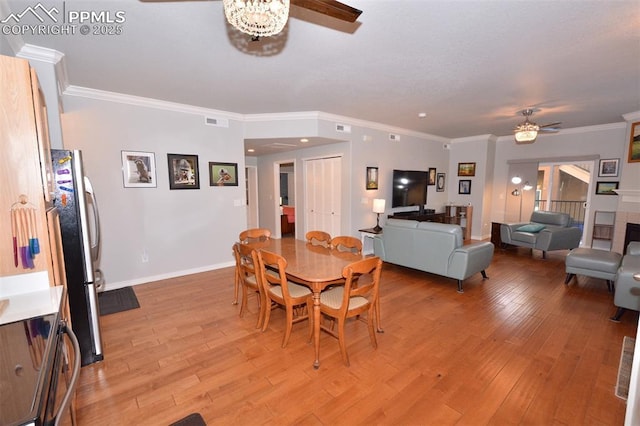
(331, 8)
(549, 129)
(557, 123)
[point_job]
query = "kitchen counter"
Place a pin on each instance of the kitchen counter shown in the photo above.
(33, 301)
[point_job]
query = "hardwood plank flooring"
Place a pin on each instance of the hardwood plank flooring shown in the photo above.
(518, 348)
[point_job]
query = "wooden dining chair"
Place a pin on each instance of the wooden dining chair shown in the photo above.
(347, 243)
(342, 302)
(318, 238)
(254, 234)
(276, 288)
(248, 279)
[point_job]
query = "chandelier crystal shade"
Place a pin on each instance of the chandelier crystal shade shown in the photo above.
(258, 18)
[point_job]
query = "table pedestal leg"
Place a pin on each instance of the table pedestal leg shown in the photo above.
(316, 329)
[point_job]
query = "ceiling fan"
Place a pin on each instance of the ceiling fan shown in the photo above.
(527, 132)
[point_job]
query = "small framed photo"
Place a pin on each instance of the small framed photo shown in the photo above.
(372, 178)
(432, 176)
(466, 169)
(138, 169)
(606, 188)
(464, 186)
(608, 168)
(223, 174)
(183, 171)
(634, 143)
(440, 182)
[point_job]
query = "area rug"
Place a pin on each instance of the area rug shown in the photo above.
(624, 370)
(193, 419)
(121, 299)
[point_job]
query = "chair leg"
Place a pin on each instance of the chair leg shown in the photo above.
(261, 313)
(460, 290)
(610, 286)
(243, 304)
(341, 341)
(267, 314)
(236, 287)
(568, 277)
(618, 314)
(484, 274)
(544, 254)
(372, 332)
(287, 332)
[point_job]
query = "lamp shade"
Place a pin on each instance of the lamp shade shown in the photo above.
(378, 205)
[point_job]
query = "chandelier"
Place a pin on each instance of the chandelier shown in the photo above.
(258, 18)
(527, 131)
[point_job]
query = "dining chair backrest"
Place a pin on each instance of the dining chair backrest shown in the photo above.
(347, 243)
(271, 268)
(254, 234)
(318, 238)
(366, 273)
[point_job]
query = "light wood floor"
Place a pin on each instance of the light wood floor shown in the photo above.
(518, 348)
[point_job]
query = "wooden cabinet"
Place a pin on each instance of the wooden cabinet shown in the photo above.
(602, 235)
(460, 215)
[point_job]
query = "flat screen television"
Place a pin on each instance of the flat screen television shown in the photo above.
(409, 188)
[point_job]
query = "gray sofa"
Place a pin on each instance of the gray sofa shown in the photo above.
(627, 287)
(545, 231)
(432, 247)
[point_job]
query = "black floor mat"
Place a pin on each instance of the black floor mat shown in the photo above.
(194, 419)
(121, 299)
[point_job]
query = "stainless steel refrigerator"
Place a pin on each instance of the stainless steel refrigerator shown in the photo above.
(80, 229)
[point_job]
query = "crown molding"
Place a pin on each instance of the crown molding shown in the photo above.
(37, 53)
(103, 95)
(631, 116)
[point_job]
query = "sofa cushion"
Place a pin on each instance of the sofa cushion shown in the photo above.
(551, 218)
(531, 227)
(525, 237)
(401, 223)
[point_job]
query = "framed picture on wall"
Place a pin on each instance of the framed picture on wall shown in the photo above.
(634, 143)
(223, 174)
(138, 169)
(432, 176)
(440, 182)
(606, 188)
(466, 169)
(608, 168)
(372, 178)
(464, 186)
(183, 171)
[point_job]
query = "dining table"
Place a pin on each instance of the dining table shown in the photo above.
(316, 267)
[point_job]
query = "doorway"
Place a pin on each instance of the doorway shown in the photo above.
(285, 198)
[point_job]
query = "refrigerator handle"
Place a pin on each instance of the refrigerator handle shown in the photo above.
(95, 245)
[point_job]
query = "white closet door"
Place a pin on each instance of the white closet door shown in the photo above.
(322, 194)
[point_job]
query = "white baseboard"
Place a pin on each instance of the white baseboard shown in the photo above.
(152, 278)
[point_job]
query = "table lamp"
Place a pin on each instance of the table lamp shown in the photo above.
(378, 207)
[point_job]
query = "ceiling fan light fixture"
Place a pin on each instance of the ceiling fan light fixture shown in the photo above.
(258, 18)
(527, 132)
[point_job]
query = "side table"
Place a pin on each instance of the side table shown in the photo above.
(367, 236)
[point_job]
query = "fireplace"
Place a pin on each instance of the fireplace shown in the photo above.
(632, 233)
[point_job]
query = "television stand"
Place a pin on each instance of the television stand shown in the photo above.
(428, 216)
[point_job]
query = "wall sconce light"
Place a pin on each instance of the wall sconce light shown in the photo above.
(378, 207)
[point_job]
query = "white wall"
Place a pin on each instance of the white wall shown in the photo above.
(181, 231)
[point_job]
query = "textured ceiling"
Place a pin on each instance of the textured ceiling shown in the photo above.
(470, 65)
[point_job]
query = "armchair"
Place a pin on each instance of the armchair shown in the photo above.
(545, 231)
(627, 284)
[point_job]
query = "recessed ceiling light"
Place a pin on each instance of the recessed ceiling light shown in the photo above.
(304, 140)
(422, 114)
(251, 150)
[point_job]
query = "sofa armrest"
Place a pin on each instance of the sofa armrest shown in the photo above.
(558, 239)
(378, 247)
(470, 259)
(633, 248)
(506, 229)
(627, 289)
